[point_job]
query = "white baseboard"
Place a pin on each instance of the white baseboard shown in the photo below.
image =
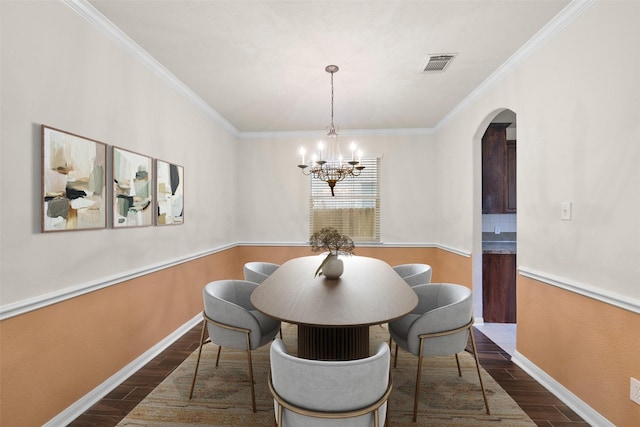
(91, 398)
(588, 414)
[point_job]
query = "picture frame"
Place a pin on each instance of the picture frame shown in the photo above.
(73, 181)
(169, 193)
(133, 195)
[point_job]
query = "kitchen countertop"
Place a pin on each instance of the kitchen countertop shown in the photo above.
(499, 247)
(504, 243)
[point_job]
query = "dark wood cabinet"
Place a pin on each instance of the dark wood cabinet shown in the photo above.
(498, 171)
(499, 288)
(510, 193)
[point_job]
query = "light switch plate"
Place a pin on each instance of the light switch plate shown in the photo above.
(565, 211)
(634, 393)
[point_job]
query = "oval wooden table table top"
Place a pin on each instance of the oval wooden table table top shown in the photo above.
(333, 316)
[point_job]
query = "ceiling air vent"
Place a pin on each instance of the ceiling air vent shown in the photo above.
(438, 62)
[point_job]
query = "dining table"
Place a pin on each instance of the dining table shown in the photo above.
(333, 316)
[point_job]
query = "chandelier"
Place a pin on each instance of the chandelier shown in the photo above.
(330, 166)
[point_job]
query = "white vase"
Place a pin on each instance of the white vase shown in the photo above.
(333, 268)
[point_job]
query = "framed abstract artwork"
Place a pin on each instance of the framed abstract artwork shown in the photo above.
(169, 193)
(73, 181)
(132, 189)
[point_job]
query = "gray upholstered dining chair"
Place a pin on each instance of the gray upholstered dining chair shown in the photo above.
(414, 274)
(314, 393)
(233, 322)
(257, 271)
(440, 325)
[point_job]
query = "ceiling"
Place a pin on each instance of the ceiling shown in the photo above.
(261, 64)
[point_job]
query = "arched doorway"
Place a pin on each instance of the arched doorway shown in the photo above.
(495, 228)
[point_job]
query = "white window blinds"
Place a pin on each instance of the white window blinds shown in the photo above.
(355, 208)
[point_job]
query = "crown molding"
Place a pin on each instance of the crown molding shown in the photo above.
(100, 22)
(546, 33)
(342, 132)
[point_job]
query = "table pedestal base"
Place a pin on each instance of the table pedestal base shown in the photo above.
(333, 343)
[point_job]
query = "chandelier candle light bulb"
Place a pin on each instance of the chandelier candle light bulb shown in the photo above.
(332, 169)
(302, 152)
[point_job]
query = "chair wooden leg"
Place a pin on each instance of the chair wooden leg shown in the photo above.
(458, 363)
(395, 358)
(386, 415)
(418, 381)
(193, 383)
(279, 420)
(218, 356)
(253, 393)
(386, 404)
(475, 355)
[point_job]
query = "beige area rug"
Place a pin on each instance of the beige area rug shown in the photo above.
(222, 396)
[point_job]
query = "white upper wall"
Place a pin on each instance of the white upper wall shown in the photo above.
(577, 104)
(578, 132)
(583, 148)
(58, 70)
(275, 202)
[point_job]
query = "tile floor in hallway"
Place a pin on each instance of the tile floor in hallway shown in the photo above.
(503, 334)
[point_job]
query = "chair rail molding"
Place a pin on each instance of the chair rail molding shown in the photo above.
(21, 307)
(456, 251)
(598, 294)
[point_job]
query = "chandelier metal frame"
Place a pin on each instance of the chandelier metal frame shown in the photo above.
(332, 168)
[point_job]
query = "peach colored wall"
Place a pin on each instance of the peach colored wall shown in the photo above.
(447, 266)
(274, 254)
(52, 357)
(588, 346)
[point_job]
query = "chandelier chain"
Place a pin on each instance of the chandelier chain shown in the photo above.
(332, 126)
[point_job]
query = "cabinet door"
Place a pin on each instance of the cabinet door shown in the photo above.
(494, 169)
(499, 288)
(510, 202)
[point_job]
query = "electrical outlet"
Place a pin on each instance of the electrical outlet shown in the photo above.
(634, 394)
(496, 229)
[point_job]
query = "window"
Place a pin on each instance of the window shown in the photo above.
(355, 208)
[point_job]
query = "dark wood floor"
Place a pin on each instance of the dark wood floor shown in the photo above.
(542, 406)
